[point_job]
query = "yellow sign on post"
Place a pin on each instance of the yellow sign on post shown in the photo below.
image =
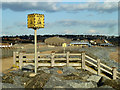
(35, 21)
(64, 45)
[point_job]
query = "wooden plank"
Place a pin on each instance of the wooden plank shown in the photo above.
(78, 67)
(75, 64)
(90, 69)
(33, 54)
(105, 70)
(45, 54)
(50, 59)
(105, 66)
(118, 77)
(101, 74)
(118, 72)
(59, 58)
(74, 59)
(90, 58)
(17, 59)
(60, 64)
(44, 64)
(39, 64)
(60, 54)
(98, 66)
(95, 72)
(75, 54)
(91, 63)
(42, 59)
(26, 59)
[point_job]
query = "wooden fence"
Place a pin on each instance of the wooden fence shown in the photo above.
(81, 60)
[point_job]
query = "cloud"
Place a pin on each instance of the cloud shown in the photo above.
(56, 6)
(89, 15)
(9, 27)
(6, 33)
(31, 1)
(91, 6)
(95, 24)
(24, 6)
(69, 23)
(16, 24)
(59, 1)
(92, 31)
(20, 24)
(69, 32)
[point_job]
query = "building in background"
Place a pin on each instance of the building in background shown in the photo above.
(82, 44)
(5, 45)
(57, 41)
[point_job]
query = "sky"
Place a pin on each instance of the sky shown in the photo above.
(77, 18)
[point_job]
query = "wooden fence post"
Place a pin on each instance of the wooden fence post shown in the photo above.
(20, 60)
(114, 73)
(17, 56)
(98, 66)
(52, 59)
(67, 57)
(83, 60)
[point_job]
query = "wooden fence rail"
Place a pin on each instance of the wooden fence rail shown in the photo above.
(81, 60)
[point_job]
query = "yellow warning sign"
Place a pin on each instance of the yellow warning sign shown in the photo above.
(35, 21)
(64, 45)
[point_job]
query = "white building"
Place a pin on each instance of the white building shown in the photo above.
(5, 45)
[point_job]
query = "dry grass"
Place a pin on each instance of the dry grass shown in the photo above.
(115, 55)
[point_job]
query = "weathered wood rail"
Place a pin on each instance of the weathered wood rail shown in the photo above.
(81, 60)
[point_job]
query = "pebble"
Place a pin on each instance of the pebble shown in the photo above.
(32, 75)
(94, 78)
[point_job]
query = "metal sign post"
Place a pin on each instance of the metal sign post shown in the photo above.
(35, 21)
(64, 45)
(35, 33)
(64, 49)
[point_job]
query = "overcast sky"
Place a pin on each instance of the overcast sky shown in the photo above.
(61, 17)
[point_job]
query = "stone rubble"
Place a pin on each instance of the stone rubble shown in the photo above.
(47, 77)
